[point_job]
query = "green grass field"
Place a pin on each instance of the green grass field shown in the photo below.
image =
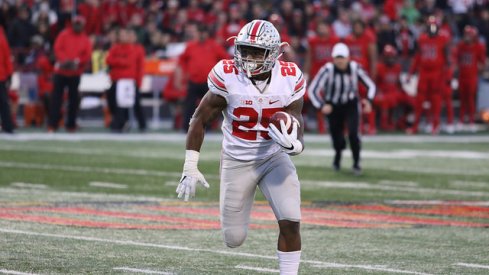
(106, 204)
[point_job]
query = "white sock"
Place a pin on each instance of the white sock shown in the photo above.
(289, 262)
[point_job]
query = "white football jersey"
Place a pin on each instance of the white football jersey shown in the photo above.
(246, 118)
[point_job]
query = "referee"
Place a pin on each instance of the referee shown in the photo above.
(334, 90)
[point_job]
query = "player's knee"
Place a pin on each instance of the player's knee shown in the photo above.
(234, 236)
(289, 228)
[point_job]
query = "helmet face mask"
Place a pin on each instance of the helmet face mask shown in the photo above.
(257, 48)
(252, 58)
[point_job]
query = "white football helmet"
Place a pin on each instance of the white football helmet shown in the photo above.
(260, 34)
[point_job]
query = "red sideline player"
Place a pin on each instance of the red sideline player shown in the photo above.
(431, 55)
(470, 58)
(390, 93)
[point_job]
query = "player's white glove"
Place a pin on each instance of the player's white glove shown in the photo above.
(289, 142)
(190, 176)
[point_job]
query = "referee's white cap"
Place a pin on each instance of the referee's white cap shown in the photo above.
(340, 50)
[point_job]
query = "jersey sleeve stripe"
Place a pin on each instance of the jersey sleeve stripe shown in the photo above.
(218, 83)
(217, 75)
(300, 85)
(215, 86)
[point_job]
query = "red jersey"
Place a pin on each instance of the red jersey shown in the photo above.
(70, 46)
(199, 57)
(93, 16)
(122, 60)
(320, 49)
(6, 67)
(230, 29)
(468, 56)
(45, 74)
(359, 47)
(388, 77)
(431, 54)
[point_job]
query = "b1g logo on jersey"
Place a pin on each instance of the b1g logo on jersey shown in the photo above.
(246, 102)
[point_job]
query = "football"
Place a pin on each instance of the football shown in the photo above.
(287, 118)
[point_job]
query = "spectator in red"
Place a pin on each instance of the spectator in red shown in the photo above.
(390, 93)
(93, 13)
(429, 61)
(197, 60)
(392, 8)
(195, 12)
(43, 66)
(6, 70)
(318, 53)
(72, 50)
(470, 60)
(126, 63)
(289, 53)
(231, 28)
(405, 42)
(363, 49)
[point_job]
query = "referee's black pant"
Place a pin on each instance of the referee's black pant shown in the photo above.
(348, 114)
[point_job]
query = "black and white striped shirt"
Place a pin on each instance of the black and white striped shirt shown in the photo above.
(332, 86)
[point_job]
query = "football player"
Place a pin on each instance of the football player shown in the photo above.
(248, 91)
(470, 58)
(430, 59)
(390, 93)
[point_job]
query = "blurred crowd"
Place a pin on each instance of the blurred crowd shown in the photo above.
(369, 27)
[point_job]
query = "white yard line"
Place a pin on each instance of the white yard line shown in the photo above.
(477, 184)
(107, 185)
(472, 265)
(438, 202)
(447, 171)
(84, 169)
(406, 154)
(258, 269)
(369, 267)
(172, 182)
(66, 196)
(370, 186)
(4, 271)
(399, 183)
(28, 185)
(144, 271)
(200, 250)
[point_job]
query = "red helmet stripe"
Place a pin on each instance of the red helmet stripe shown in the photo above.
(254, 30)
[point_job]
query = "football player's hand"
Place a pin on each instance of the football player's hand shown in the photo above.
(367, 106)
(327, 109)
(289, 142)
(190, 176)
